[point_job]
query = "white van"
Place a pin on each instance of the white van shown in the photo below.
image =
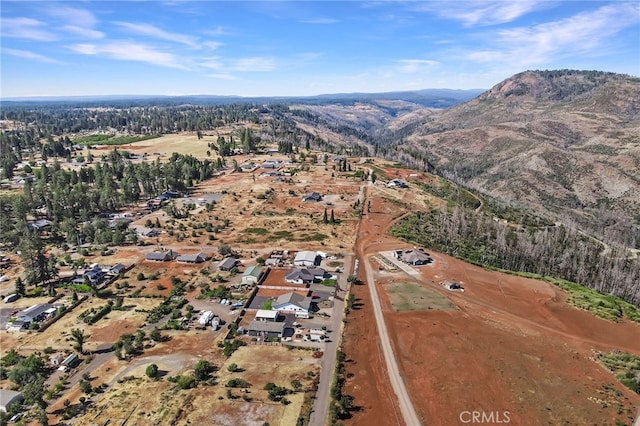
(11, 298)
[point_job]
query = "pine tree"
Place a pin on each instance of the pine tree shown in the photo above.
(20, 290)
(333, 218)
(325, 219)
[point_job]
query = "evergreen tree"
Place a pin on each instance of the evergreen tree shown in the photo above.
(20, 289)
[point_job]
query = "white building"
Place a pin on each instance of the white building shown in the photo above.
(305, 258)
(293, 303)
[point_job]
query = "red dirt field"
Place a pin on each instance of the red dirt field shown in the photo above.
(514, 345)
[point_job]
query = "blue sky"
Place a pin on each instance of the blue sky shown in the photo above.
(267, 48)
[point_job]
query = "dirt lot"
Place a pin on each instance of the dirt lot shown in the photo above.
(513, 345)
(160, 402)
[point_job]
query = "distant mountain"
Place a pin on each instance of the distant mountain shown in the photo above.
(435, 98)
(560, 141)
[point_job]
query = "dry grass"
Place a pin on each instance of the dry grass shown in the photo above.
(407, 296)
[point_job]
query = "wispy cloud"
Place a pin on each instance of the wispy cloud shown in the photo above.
(130, 51)
(482, 12)
(217, 32)
(222, 76)
(415, 65)
(83, 32)
(212, 44)
(26, 28)
(29, 55)
(155, 32)
(257, 63)
(73, 16)
(583, 34)
(320, 21)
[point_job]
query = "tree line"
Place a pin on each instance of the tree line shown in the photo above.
(559, 251)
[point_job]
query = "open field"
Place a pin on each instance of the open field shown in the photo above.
(407, 296)
(161, 402)
(514, 345)
(165, 145)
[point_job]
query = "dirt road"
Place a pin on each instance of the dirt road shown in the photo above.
(404, 401)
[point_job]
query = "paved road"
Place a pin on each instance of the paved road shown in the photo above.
(404, 401)
(328, 361)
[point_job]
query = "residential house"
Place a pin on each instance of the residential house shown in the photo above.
(116, 270)
(145, 232)
(251, 275)
(248, 167)
(415, 257)
(305, 258)
(34, 313)
(397, 183)
(94, 275)
(266, 329)
(293, 303)
(228, 264)
(39, 225)
(161, 256)
(192, 258)
(18, 325)
(304, 276)
(312, 197)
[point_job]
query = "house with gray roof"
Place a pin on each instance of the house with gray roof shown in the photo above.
(161, 256)
(293, 303)
(266, 329)
(228, 264)
(9, 397)
(312, 197)
(304, 276)
(415, 257)
(192, 258)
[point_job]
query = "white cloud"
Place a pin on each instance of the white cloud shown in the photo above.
(83, 32)
(155, 32)
(415, 65)
(27, 28)
(74, 16)
(320, 21)
(582, 34)
(130, 51)
(257, 63)
(482, 12)
(29, 55)
(212, 44)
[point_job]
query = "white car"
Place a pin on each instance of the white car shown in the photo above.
(4, 278)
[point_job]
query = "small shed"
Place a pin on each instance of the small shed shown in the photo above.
(56, 360)
(228, 264)
(251, 275)
(267, 315)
